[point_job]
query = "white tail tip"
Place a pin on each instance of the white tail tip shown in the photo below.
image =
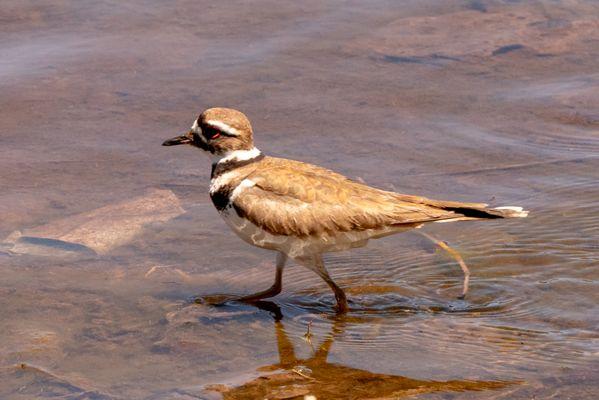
(513, 211)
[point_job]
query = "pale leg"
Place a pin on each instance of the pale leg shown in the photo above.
(276, 287)
(456, 256)
(316, 264)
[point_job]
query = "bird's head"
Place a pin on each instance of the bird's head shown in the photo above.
(219, 131)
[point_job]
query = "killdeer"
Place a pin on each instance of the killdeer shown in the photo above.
(301, 210)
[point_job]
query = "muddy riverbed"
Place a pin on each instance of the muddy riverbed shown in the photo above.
(106, 237)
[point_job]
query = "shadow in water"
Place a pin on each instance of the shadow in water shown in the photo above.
(294, 377)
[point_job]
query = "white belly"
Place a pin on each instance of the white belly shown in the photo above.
(301, 246)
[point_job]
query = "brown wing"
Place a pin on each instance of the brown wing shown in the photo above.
(293, 198)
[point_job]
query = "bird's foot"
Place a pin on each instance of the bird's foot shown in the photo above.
(220, 299)
(216, 299)
(265, 294)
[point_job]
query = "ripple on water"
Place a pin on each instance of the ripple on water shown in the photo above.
(520, 313)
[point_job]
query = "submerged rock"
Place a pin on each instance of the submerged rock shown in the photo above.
(35, 382)
(97, 231)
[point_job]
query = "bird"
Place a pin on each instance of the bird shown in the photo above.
(302, 211)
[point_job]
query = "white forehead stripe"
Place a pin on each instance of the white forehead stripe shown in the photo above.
(223, 127)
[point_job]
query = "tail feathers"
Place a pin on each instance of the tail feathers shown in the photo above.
(469, 213)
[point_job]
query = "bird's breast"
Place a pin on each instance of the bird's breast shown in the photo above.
(222, 187)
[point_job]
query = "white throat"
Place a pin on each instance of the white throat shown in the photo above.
(236, 155)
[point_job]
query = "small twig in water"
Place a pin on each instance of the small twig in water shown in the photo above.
(296, 370)
(308, 334)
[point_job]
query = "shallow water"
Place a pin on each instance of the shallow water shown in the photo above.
(492, 101)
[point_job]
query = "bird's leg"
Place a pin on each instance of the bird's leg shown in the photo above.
(276, 287)
(316, 264)
(456, 256)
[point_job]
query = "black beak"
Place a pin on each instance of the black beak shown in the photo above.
(183, 139)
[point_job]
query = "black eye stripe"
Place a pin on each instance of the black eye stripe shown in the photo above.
(209, 132)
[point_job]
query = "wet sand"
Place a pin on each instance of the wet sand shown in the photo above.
(492, 101)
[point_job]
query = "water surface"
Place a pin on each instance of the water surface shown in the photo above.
(492, 101)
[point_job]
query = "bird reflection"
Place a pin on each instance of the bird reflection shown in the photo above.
(295, 378)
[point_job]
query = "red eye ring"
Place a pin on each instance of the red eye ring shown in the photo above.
(216, 135)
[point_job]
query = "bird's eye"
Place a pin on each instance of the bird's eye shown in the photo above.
(210, 133)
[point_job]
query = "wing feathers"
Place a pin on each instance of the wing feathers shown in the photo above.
(292, 198)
